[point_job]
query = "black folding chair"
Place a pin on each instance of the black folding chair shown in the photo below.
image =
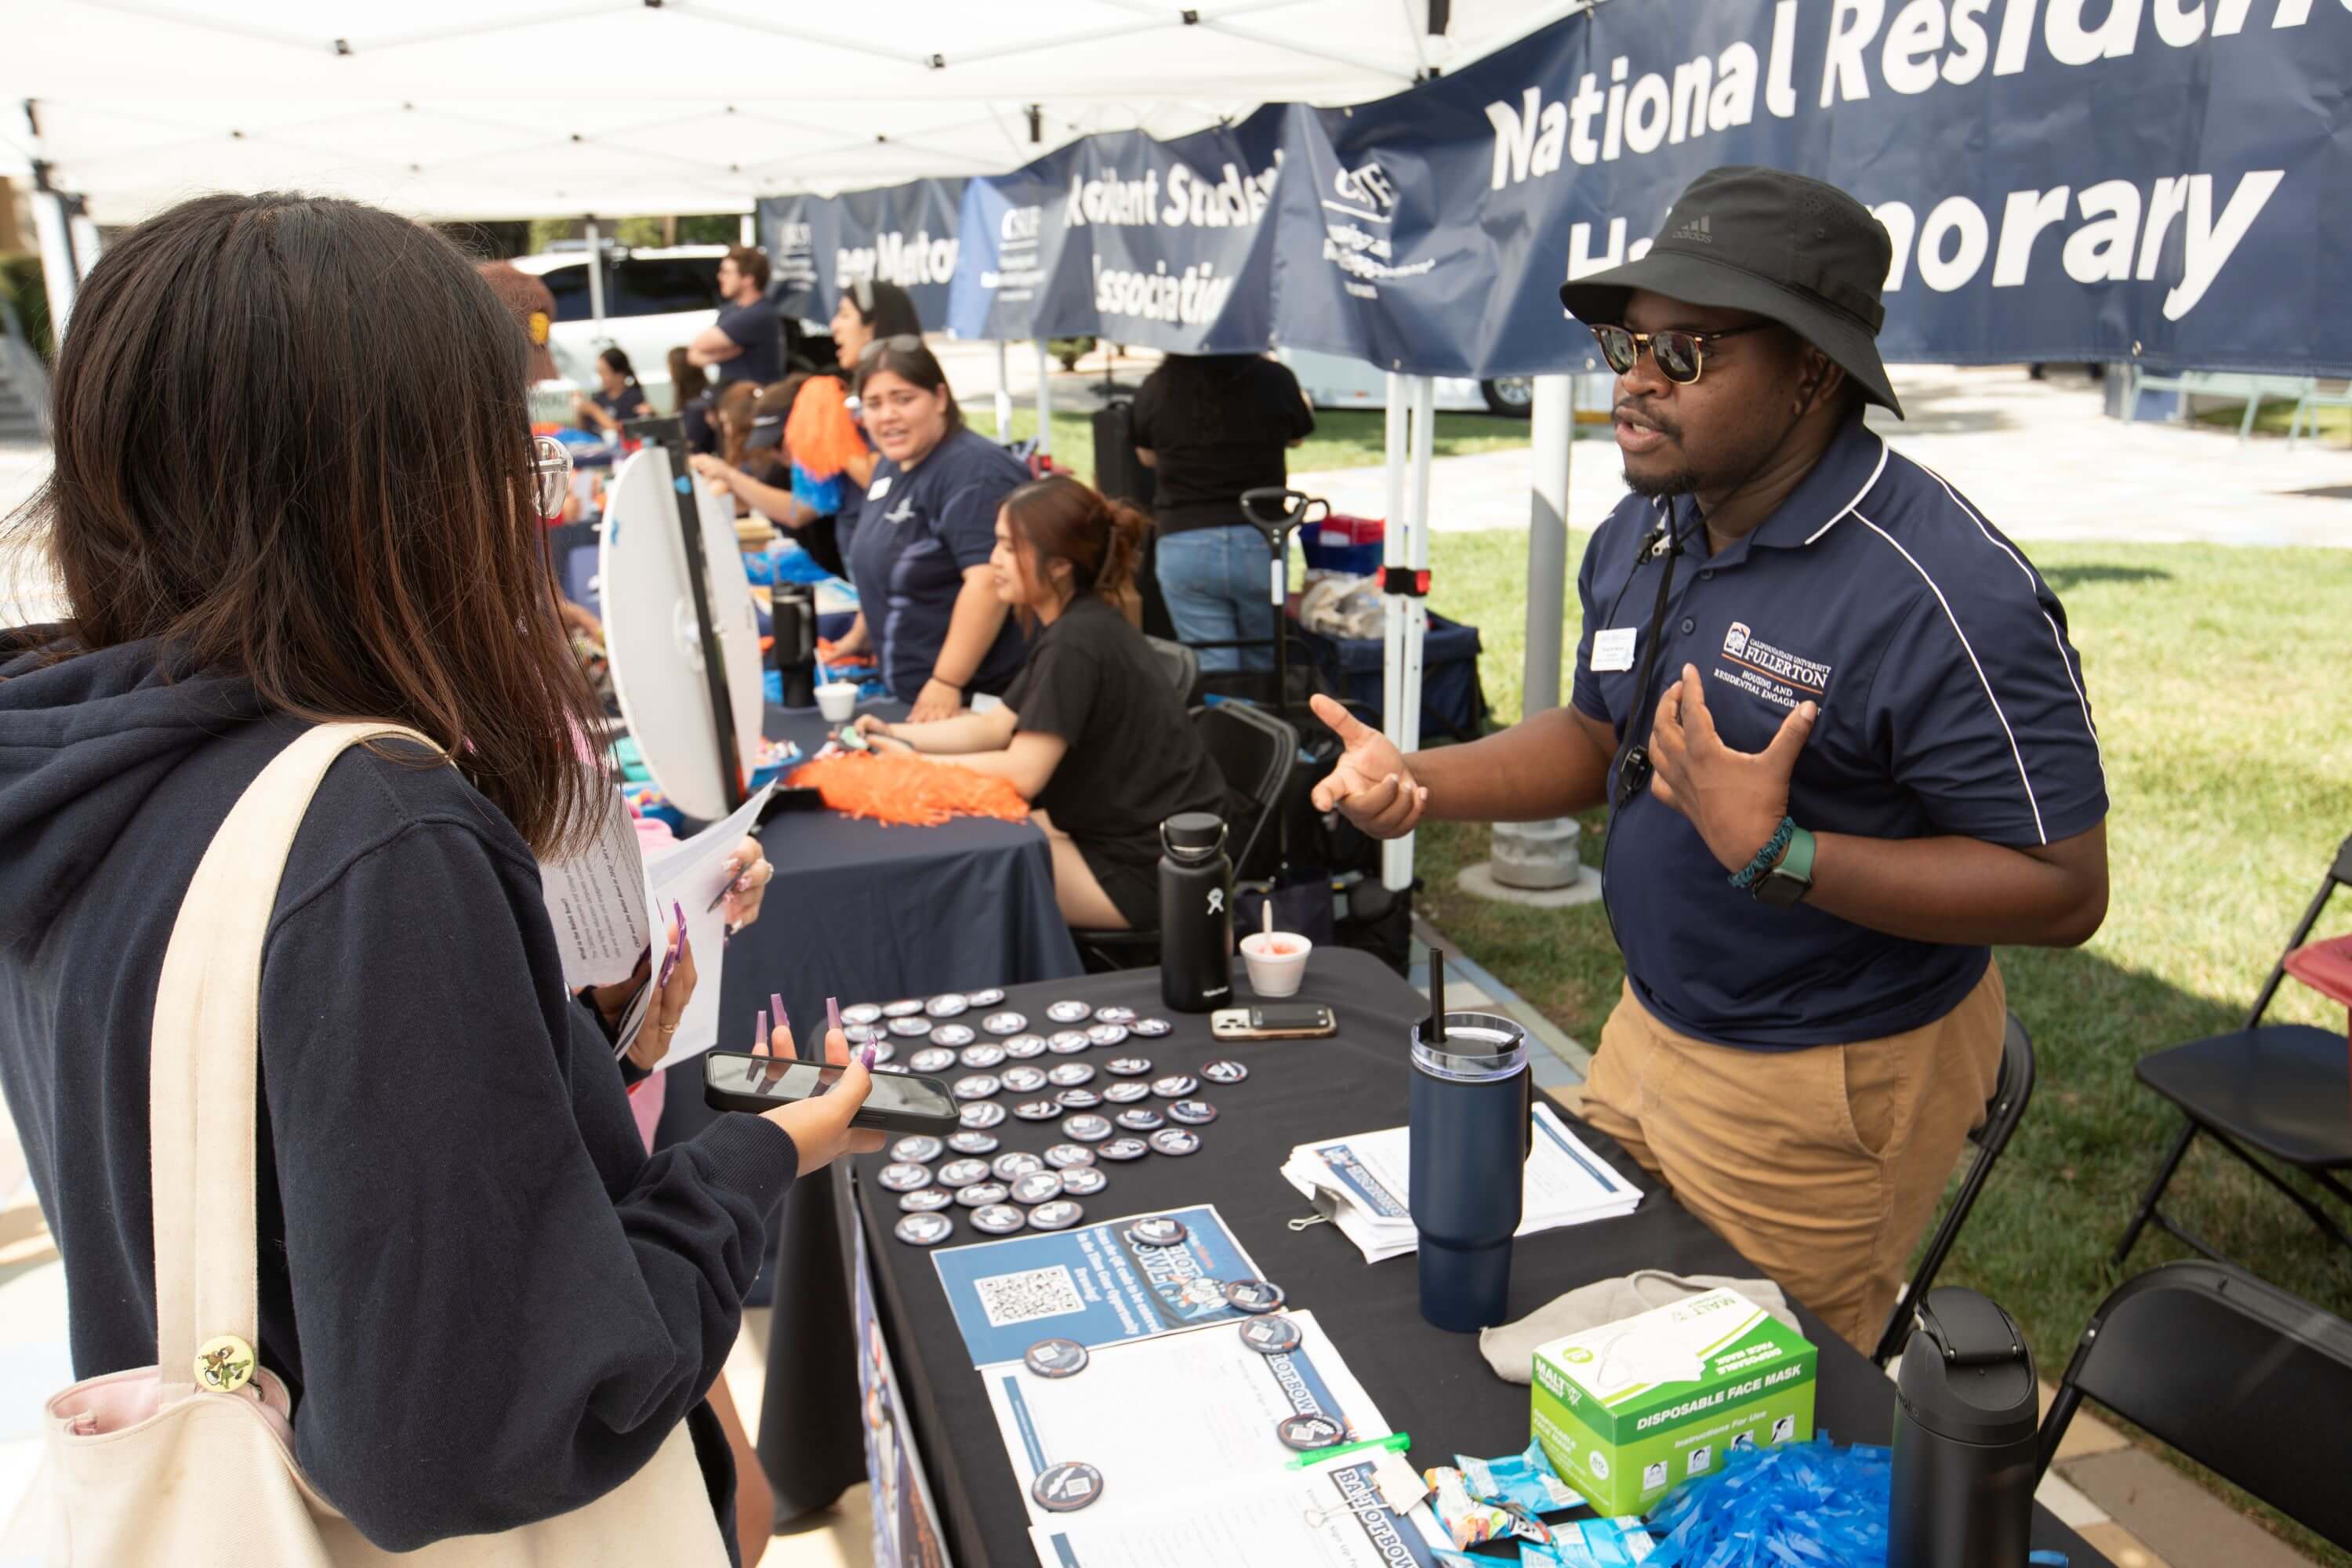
(2240, 1377)
(1256, 751)
(2279, 1091)
(1182, 666)
(2003, 1112)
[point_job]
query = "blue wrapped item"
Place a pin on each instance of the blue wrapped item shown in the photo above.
(1525, 1479)
(1590, 1543)
(822, 497)
(1795, 1505)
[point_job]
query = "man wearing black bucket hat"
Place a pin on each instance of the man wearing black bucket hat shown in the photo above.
(1843, 735)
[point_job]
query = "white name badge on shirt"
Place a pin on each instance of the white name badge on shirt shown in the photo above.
(881, 488)
(1613, 649)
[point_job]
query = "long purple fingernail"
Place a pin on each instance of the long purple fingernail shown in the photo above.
(670, 959)
(832, 1012)
(866, 1058)
(760, 1036)
(776, 1005)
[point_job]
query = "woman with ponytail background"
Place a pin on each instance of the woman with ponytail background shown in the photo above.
(1091, 733)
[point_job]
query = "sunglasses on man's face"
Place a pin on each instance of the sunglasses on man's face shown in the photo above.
(1679, 355)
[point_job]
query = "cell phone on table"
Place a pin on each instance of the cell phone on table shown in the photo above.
(1273, 1021)
(899, 1102)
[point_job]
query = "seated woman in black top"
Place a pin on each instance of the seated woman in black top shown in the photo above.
(618, 397)
(1090, 732)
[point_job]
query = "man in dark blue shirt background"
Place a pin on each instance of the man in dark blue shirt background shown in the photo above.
(1845, 740)
(747, 343)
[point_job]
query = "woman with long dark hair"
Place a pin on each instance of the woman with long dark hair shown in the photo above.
(490, 1307)
(618, 397)
(928, 603)
(1090, 731)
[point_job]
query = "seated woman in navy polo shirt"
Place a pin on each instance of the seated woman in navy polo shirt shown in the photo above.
(618, 397)
(928, 606)
(1090, 732)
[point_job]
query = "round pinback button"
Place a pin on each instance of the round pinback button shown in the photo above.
(924, 1229)
(1115, 1015)
(954, 1035)
(1175, 1086)
(860, 1013)
(1084, 1181)
(903, 1177)
(1037, 1110)
(988, 997)
(980, 1195)
(883, 1051)
(1021, 1047)
(1202, 1291)
(1069, 1075)
(911, 1029)
(1067, 1042)
(971, 1142)
(1308, 1433)
(1224, 1071)
(905, 1008)
(1126, 1091)
(1060, 1213)
(923, 1200)
(1077, 1099)
(976, 1086)
(981, 1113)
(1270, 1336)
(1067, 1012)
(883, 1064)
(1175, 1141)
(1065, 1488)
(1004, 1023)
(1107, 1034)
(1037, 1187)
(1140, 1118)
(1124, 1149)
(1253, 1295)
(1085, 1129)
(1056, 1358)
(998, 1219)
(1023, 1080)
(963, 1172)
(1128, 1066)
(1150, 1028)
(1063, 1156)
(865, 1034)
(947, 1007)
(1157, 1230)
(983, 1054)
(1193, 1113)
(932, 1058)
(1013, 1166)
(915, 1150)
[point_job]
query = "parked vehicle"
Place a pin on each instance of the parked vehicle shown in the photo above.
(1336, 381)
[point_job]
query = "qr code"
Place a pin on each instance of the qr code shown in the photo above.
(1025, 1298)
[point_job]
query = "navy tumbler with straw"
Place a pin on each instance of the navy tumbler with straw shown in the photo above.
(1471, 1127)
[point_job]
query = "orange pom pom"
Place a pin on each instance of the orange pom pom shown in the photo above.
(909, 791)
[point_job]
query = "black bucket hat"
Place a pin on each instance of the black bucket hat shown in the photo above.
(1794, 251)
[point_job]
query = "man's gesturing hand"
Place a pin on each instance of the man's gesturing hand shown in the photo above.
(1735, 799)
(1371, 786)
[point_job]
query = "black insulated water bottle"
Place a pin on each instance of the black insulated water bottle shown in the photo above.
(1196, 913)
(1965, 1419)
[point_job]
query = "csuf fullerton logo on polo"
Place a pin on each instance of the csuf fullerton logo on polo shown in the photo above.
(1761, 669)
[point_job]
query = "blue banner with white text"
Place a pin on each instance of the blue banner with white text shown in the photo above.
(2160, 180)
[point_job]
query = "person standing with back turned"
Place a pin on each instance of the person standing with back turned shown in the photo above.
(1844, 740)
(747, 342)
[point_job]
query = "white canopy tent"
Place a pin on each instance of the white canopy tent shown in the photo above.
(510, 108)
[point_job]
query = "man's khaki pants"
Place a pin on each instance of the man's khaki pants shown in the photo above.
(1822, 1166)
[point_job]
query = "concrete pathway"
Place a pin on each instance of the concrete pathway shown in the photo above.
(2039, 458)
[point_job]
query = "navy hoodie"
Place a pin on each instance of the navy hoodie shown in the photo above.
(491, 1307)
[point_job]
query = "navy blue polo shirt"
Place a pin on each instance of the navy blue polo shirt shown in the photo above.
(917, 532)
(758, 332)
(1950, 703)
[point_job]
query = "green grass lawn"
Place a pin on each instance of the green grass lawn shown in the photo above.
(2216, 678)
(2335, 423)
(1343, 439)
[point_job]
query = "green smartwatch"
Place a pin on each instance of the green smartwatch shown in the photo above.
(1793, 879)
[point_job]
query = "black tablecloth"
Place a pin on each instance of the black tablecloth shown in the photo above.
(1426, 1382)
(865, 913)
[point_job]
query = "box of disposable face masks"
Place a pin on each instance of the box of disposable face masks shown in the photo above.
(1629, 1411)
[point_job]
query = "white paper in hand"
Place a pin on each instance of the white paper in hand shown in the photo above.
(690, 878)
(597, 902)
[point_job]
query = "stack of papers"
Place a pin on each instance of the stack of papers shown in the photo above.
(1362, 1183)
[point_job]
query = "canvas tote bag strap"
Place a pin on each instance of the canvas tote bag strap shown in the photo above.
(204, 1073)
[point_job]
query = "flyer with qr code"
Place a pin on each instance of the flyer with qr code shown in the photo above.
(1090, 1284)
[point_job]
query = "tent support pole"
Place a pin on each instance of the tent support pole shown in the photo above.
(1405, 543)
(1044, 398)
(595, 274)
(1003, 394)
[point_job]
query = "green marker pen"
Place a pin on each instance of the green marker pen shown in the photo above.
(1395, 1443)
